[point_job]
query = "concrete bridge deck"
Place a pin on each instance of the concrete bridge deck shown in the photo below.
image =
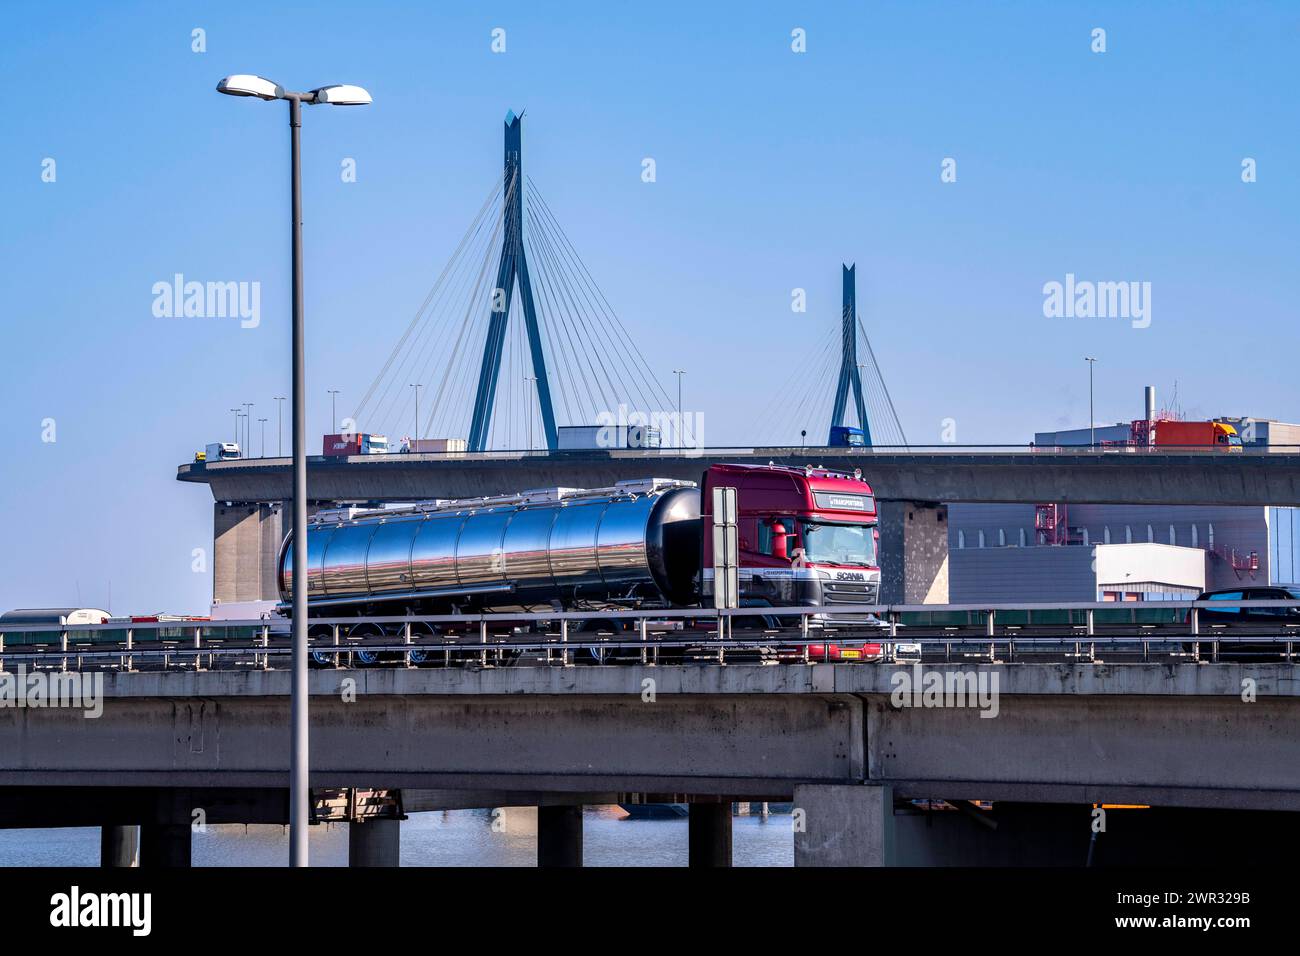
(1171, 735)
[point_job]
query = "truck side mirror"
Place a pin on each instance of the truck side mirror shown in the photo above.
(779, 549)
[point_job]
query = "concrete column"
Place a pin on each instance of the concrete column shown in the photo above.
(375, 843)
(118, 846)
(164, 845)
(246, 540)
(913, 552)
(851, 825)
(559, 836)
(709, 834)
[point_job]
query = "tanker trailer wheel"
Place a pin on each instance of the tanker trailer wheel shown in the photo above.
(361, 656)
(425, 656)
(320, 634)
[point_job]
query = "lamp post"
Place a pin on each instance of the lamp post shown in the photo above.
(236, 411)
(334, 415)
(530, 383)
(279, 426)
(1092, 427)
(248, 427)
(299, 794)
(416, 386)
(679, 372)
(263, 421)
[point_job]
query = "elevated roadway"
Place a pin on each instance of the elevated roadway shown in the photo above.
(1214, 748)
(1079, 476)
(1171, 735)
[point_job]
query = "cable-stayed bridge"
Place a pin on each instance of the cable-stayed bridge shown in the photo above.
(516, 339)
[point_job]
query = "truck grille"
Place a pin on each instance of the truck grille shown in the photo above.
(846, 592)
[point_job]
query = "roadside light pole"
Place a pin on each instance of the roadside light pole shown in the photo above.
(530, 382)
(334, 414)
(263, 421)
(236, 411)
(417, 416)
(279, 426)
(299, 792)
(1092, 426)
(679, 372)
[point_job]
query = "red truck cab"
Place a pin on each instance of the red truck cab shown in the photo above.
(807, 536)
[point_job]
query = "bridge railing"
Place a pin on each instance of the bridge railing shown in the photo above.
(1090, 631)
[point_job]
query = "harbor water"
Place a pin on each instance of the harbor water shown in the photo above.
(439, 838)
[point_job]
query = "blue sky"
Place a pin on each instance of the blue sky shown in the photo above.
(772, 168)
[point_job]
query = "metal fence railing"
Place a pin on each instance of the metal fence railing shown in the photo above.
(1187, 631)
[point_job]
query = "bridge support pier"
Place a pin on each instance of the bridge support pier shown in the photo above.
(709, 834)
(913, 552)
(559, 836)
(118, 846)
(164, 845)
(375, 842)
(246, 539)
(851, 825)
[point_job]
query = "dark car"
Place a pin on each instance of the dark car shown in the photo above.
(1232, 614)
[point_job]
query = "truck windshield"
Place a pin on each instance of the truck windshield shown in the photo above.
(852, 544)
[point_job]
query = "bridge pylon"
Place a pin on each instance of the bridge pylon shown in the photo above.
(513, 267)
(850, 374)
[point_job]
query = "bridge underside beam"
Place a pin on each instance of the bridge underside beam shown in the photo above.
(738, 745)
(120, 806)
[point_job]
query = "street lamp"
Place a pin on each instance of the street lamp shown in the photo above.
(679, 372)
(279, 426)
(243, 84)
(417, 416)
(263, 421)
(530, 383)
(236, 411)
(334, 414)
(248, 427)
(1092, 427)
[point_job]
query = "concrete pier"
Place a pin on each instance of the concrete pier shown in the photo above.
(164, 845)
(246, 540)
(849, 825)
(375, 842)
(559, 836)
(118, 846)
(913, 553)
(709, 834)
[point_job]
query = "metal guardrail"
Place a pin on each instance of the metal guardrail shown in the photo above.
(820, 634)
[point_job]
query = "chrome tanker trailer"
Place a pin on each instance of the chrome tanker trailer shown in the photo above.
(635, 543)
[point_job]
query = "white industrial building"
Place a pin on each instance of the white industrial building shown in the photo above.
(1123, 552)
